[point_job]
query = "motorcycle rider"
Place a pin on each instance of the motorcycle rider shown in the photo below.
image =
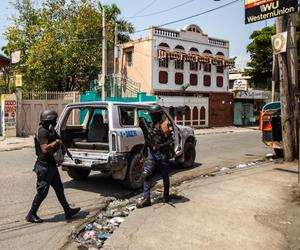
(159, 147)
(46, 143)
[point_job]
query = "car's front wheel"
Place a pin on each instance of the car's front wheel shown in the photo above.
(78, 174)
(134, 177)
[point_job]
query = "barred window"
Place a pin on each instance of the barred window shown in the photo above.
(179, 64)
(193, 65)
(207, 67)
(163, 63)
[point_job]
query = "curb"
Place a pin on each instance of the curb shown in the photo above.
(16, 148)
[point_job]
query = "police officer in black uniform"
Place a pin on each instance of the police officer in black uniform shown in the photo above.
(46, 143)
(159, 147)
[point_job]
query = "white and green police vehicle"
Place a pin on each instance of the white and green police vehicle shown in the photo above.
(106, 137)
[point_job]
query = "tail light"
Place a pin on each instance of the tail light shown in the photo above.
(267, 127)
(113, 142)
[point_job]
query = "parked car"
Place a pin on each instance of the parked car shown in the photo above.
(106, 137)
(270, 124)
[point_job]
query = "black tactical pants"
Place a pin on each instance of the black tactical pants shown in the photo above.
(152, 162)
(48, 175)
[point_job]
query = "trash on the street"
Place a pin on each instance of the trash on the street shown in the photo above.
(89, 227)
(241, 166)
(285, 222)
(224, 169)
(103, 236)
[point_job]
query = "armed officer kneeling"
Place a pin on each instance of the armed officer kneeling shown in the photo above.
(158, 149)
(47, 146)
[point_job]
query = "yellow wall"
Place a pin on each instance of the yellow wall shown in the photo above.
(140, 70)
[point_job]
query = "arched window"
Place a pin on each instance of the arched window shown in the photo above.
(195, 116)
(220, 69)
(220, 54)
(220, 81)
(207, 51)
(179, 115)
(193, 49)
(187, 115)
(165, 45)
(163, 77)
(172, 112)
(207, 80)
(178, 78)
(193, 79)
(202, 113)
(179, 47)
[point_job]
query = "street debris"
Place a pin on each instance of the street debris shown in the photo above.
(241, 166)
(224, 169)
(285, 222)
(95, 233)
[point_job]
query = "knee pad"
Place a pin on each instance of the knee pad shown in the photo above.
(149, 168)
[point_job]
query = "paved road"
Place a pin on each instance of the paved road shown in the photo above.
(17, 184)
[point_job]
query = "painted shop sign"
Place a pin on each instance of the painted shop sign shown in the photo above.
(252, 95)
(259, 10)
(10, 111)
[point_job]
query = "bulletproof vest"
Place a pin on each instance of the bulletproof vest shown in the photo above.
(155, 138)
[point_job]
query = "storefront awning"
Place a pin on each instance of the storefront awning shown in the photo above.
(176, 55)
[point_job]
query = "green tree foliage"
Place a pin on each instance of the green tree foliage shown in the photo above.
(60, 42)
(261, 54)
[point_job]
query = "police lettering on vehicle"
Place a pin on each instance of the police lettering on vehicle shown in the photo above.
(128, 133)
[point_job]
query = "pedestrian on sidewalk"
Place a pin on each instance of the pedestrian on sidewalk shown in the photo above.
(159, 148)
(47, 141)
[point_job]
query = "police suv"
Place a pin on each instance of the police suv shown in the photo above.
(106, 137)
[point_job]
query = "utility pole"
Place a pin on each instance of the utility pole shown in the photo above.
(104, 57)
(115, 80)
(116, 50)
(286, 98)
(274, 76)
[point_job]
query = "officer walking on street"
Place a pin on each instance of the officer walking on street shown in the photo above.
(47, 141)
(159, 147)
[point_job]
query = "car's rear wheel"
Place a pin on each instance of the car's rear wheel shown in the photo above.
(134, 177)
(78, 174)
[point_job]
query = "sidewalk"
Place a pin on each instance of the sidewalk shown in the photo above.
(248, 209)
(15, 143)
(223, 130)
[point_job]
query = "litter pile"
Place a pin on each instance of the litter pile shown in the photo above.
(98, 231)
(95, 233)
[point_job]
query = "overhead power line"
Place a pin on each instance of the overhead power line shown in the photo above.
(163, 11)
(189, 17)
(146, 7)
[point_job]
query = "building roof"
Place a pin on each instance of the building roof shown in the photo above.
(4, 58)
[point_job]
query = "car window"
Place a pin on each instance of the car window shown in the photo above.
(144, 113)
(99, 116)
(127, 116)
(76, 116)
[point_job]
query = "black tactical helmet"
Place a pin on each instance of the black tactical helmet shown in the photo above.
(156, 109)
(48, 116)
(156, 112)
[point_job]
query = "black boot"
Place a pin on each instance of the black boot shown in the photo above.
(71, 212)
(167, 198)
(33, 218)
(144, 203)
